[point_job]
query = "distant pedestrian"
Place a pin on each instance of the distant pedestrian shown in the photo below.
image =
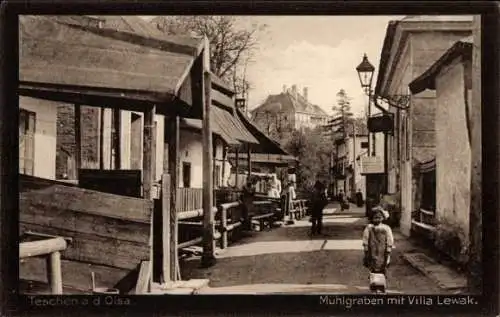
(318, 203)
(378, 242)
(359, 198)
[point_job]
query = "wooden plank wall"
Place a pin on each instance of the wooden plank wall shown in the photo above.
(110, 233)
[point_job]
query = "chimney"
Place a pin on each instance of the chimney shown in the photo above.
(305, 93)
(294, 90)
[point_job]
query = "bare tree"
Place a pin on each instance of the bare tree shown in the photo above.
(231, 48)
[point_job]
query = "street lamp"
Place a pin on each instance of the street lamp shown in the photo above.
(365, 72)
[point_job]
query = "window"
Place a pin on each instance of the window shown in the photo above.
(26, 142)
(429, 190)
(186, 174)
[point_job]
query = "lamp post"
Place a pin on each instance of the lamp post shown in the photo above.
(365, 72)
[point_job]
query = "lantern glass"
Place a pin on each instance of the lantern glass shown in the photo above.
(365, 72)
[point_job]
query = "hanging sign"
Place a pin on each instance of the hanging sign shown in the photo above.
(372, 165)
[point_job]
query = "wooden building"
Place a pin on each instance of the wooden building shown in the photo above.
(82, 61)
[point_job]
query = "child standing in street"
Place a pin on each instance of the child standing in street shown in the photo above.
(378, 242)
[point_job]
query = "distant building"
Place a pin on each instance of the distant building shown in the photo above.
(288, 111)
(344, 174)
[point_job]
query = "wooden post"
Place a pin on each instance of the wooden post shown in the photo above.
(475, 278)
(148, 153)
(173, 138)
(117, 138)
(208, 256)
(78, 140)
(249, 160)
(147, 170)
(223, 213)
(169, 238)
(101, 137)
(54, 272)
(223, 169)
(236, 184)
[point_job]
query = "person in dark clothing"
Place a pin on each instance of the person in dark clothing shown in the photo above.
(318, 202)
(359, 198)
(247, 197)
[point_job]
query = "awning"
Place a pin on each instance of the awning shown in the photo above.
(224, 125)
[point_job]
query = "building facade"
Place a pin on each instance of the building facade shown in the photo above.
(410, 47)
(346, 176)
(450, 78)
(288, 111)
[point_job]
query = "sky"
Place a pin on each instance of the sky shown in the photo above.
(318, 52)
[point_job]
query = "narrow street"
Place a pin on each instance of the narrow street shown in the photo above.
(288, 260)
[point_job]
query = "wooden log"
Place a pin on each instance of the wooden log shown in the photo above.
(237, 168)
(208, 257)
(78, 140)
(174, 171)
(223, 212)
(148, 166)
(190, 243)
(42, 247)
(167, 229)
(143, 282)
(117, 138)
(249, 159)
(101, 137)
(54, 273)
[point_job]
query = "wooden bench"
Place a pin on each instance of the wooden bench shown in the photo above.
(264, 220)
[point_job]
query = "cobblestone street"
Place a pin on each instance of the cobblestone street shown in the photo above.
(287, 259)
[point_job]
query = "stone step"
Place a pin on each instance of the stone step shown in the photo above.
(444, 276)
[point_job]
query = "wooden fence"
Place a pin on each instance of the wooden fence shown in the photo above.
(189, 198)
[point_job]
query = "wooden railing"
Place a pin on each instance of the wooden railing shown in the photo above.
(189, 199)
(51, 248)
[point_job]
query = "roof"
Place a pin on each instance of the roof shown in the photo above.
(266, 144)
(219, 83)
(385, 53)
(223, 124)
(427, 79)
(287, 102)
(123, 54)
(418, 22)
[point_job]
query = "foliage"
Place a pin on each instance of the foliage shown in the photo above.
(313, 151)
(343, 107)
(231, 47)
(452, 239)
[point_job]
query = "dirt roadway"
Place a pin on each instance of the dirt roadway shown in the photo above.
(287, 260)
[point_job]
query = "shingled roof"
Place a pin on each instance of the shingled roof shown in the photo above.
(104, 52)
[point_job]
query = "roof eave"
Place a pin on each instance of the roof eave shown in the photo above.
(427, 79)
(385, 54)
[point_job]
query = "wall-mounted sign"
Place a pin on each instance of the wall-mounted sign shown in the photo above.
(381, 123)
(372, 165)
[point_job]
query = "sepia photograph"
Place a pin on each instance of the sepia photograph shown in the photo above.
(255, 155)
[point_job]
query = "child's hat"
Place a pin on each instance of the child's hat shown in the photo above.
(382, 211)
